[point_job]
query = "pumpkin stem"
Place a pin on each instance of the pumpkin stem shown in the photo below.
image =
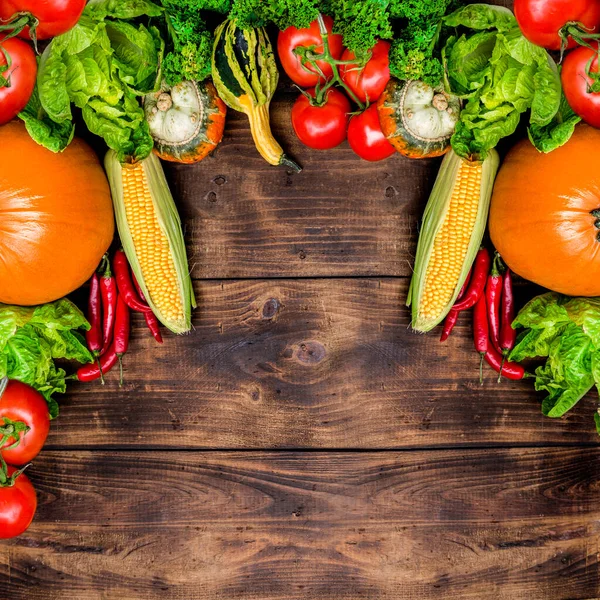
(440, 102)
(164, 102)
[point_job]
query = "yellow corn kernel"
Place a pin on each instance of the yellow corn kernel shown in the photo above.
(150, 242)
(452, 242)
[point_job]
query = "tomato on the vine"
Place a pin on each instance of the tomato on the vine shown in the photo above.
(291, 38)
(20, 76)
(368, 82)
(55, 17)
(18, 503)
(577, 82)
(366, 138)
(21, 404)
(321, 127)
(541, 20)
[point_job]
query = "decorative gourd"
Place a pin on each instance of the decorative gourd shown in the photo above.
(56, 217)
(186, 121)
(544, 217)
(245, 74)
(417, 119)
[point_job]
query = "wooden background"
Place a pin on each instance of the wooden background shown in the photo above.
(302, 442)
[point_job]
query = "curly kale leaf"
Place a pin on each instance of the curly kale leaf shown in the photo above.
(360, 23)
(190, 50)
(283, 13)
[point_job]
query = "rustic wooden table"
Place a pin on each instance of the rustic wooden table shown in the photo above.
(302, 442)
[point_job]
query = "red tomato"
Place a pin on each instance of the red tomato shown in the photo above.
(321, 127)
(369, 82)
(21, 73)
(541, 20)
(576, 81)
(366, 138)
(54, 16)
(291, 38)
(17, 506)
(22, 403)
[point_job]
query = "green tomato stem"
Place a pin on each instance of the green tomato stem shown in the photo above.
(325, 56)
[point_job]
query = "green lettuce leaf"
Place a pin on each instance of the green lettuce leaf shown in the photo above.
(121, 9)
(482, 16)
(102, 66)
(566, 332)
(501, 75)
(32, 338)
(556, 133)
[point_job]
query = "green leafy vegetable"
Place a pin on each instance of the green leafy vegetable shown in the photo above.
(52, 135)
(283, 13)
(558, 132)
(101, 66)
(191, 38)
(565, 331)
(502, 75)
(32, 338)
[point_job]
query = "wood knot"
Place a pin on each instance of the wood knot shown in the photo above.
(301, 255)
(220, 180)
(311, 353)
(270, 308)
(211, 197)
(390, 191)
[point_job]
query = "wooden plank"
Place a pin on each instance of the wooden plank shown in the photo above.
(341, 215)
(497, 524)
(307, 364)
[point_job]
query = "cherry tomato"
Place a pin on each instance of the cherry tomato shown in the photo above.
(17, 506)
(369, 82)
(291, 38)
(21, 402)
(366, 138)
(575, 82)
(541, 20)
(321, 127)
(54, 16)
(21, 75)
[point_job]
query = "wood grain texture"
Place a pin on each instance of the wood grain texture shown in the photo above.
(339, 216)
(497, 524)
(307, 364)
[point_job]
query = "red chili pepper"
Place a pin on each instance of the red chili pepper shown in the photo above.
(510, 370)
(125, 285)
(93, 336)
(93, 371)
(122, 330)
(493, 293)
(477, 285)
(508, 335)
(108, 289)
(452, 317)
(151, 320)
(481, 332)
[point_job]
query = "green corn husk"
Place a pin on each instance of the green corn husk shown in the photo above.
(169, 223)
(434, 217)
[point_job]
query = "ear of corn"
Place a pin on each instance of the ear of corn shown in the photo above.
(453, 226)
(150, 231)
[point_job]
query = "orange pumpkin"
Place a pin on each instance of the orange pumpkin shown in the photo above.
(544, 216)
(56, 217)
